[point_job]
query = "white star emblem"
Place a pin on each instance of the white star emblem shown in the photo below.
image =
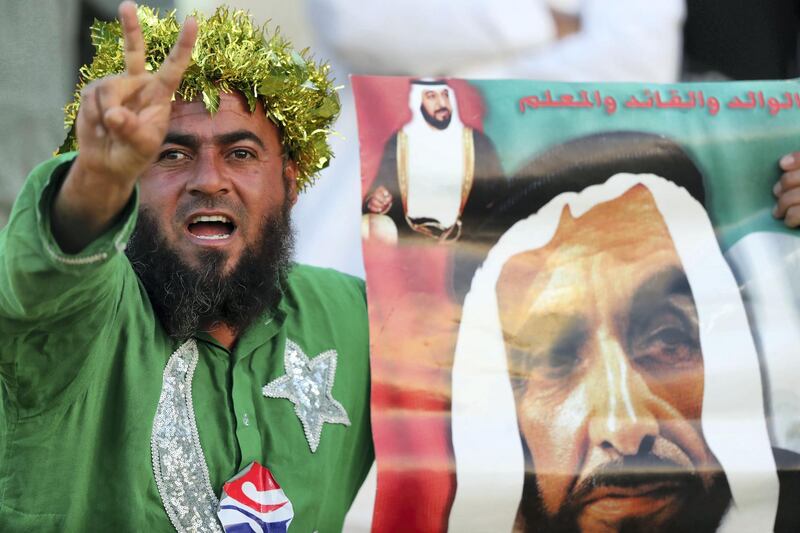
(308, 384)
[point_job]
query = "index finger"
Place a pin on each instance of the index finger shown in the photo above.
(134, 42)
(179, 57)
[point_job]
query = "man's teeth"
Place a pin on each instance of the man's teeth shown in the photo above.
(211, 227)
(211, 218)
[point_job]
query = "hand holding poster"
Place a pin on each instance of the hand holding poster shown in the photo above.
(583, 315)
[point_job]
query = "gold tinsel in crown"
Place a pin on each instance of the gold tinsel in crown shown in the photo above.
(231, 54)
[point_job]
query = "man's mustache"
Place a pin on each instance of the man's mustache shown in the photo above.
(634, 471)
(222, 203)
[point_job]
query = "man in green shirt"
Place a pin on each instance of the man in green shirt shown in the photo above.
(136, 384)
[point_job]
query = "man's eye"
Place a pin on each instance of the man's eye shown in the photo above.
(242, 154)
(172, 156)
(667, 345)
(670, 337)
(561, 362)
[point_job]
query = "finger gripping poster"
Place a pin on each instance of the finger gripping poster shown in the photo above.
(583, 315)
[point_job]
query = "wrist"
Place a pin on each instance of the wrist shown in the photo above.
(94, 191)
(86, 205)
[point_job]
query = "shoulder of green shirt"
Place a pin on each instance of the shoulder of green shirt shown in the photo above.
(307, 276)
(38, 280)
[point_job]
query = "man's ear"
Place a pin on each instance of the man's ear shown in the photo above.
(290, 176)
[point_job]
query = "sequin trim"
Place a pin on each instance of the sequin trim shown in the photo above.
(179, 464)
(88, 260)
(119, 243)
(308, 384)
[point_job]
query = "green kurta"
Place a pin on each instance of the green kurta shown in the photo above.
(82, 361)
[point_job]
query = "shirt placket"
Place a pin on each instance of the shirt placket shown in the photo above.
(248, 434)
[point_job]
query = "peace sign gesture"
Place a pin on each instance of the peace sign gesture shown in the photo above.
(121, 124)
(123, 119)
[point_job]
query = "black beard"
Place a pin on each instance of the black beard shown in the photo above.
(701, 512)
(435, 122)
(187, 300)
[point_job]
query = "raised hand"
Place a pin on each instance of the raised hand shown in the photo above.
(123, 119)
(121, 124)
(787, 191)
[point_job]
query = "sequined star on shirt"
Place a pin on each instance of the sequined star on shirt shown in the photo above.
(308, 384)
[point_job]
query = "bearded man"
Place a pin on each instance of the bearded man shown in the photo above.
(204, 381)
(580, 356)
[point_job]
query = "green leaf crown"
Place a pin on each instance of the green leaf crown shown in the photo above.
(231, 54)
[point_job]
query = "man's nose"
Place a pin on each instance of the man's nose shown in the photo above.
(209, 177)
(622, 416)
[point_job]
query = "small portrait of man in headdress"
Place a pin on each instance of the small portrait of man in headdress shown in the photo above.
(435, 173)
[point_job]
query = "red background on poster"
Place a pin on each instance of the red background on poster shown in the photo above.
(410, 394)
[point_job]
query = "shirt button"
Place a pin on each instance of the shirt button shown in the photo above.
(245, 419)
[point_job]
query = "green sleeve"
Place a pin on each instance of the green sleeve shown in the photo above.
(50, 299)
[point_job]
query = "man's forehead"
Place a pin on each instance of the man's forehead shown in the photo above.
(228, 102)
(617, 239)
(629, 226)
(233, 114)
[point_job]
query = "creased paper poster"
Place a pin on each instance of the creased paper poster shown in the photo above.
(583, 316)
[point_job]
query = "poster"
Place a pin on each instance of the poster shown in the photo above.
(583, 316)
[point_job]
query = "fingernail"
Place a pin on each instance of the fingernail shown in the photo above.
(787, 160)
(100, 131)
(776, 189)
(775, 211)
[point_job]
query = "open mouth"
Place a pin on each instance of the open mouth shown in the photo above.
(211, 227)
